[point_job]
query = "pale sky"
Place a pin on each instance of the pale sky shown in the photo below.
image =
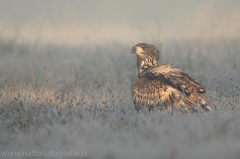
(30, 20)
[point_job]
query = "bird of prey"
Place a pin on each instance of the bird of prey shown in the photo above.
(163, 87)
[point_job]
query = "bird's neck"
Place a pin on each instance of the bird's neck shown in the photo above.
(144, 64)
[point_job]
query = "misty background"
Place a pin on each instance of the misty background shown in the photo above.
(66, 71)
(74, 22)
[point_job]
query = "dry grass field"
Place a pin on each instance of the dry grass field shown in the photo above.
(77, 99)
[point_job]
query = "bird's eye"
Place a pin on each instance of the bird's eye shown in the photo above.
(142, 47)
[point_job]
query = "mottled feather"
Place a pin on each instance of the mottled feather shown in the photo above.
(162, 86)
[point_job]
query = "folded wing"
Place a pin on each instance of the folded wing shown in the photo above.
(164, 87)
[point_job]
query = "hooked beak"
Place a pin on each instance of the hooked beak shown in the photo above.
(133, 50)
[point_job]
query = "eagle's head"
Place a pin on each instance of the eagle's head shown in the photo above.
(147, 56)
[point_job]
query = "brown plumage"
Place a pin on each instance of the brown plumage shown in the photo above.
(162, 86)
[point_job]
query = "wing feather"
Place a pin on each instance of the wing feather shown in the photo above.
(164, 86)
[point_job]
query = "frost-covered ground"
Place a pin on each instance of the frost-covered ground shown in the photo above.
(65, 100)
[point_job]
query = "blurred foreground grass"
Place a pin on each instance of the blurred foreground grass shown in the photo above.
(63, 98)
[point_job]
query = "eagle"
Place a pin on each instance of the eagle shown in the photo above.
(163, 87)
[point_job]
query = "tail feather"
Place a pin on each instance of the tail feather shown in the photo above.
(199, 101)
(205, 103)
